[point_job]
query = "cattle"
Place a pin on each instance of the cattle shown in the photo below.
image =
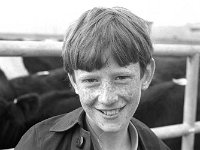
(6, 89)
(35, 83)
(161, 105)
(169, 68)
(37, 64)
(18, 116)
(56, 103)
(40, 83)
(14, 117)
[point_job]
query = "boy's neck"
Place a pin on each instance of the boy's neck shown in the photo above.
(115, 141)
(111, 140)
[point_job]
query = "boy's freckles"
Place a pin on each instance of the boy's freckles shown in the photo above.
(108, 92)
(110, 95)
(107, 89)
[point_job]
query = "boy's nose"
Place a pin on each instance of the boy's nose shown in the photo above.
(108, 95)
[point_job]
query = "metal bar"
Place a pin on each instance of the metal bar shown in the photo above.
(176, 50)
(53, 48)
(190, 101)
(177, 130)
(15, 36)
(30, 48)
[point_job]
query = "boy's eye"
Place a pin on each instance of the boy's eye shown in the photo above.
(122, 77)
(90, 80)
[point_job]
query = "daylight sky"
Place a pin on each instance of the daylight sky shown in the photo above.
(54, 16)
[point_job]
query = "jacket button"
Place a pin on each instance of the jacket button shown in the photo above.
(80, 142)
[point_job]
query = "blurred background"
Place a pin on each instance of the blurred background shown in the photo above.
(171, 18)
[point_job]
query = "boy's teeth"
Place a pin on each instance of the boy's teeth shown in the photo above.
(111, 112)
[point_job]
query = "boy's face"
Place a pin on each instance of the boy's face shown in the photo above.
(110, 96)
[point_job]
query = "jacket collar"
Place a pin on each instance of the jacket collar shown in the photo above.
(69, 120)
(77, 116)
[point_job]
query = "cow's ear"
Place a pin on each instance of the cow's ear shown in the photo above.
(73, 82)
(29, 104)
(148, 74)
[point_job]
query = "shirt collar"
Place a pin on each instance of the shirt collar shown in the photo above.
(69, 120)
(133, 136)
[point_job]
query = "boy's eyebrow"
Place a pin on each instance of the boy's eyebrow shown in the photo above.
(88, 75)
(97, 74)
(123, 73)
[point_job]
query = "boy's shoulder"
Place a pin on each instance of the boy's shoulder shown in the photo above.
(41, 134)
(59, 122)
(147, 137)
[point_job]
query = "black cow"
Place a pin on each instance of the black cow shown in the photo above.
(18, 116)
(36, 83)
(6, 90)
(56, 103)
(54, 80)
(12, 113)
(168, 68)
(37, 64)
(161, 105)
(14, 116)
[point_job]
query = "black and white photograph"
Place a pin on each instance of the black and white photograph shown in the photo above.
(99, 75)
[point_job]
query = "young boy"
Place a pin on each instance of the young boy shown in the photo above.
(107, 54)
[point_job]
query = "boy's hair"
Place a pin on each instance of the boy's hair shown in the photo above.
(116, 31)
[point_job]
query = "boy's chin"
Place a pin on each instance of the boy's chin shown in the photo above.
(111, 128)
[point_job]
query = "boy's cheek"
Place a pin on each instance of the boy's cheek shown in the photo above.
(88, 97)
(128, 91)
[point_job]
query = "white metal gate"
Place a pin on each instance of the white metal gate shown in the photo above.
(189, 126)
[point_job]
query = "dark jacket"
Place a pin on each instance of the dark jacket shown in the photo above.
(66, 132)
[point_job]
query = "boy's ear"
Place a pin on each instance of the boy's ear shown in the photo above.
(73, 83)
(148, 74)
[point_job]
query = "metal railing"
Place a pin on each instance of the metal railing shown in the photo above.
(189, 126)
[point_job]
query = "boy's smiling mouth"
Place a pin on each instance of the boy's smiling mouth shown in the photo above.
(111, 112)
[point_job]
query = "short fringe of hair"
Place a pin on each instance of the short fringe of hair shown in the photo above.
(100, 31)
